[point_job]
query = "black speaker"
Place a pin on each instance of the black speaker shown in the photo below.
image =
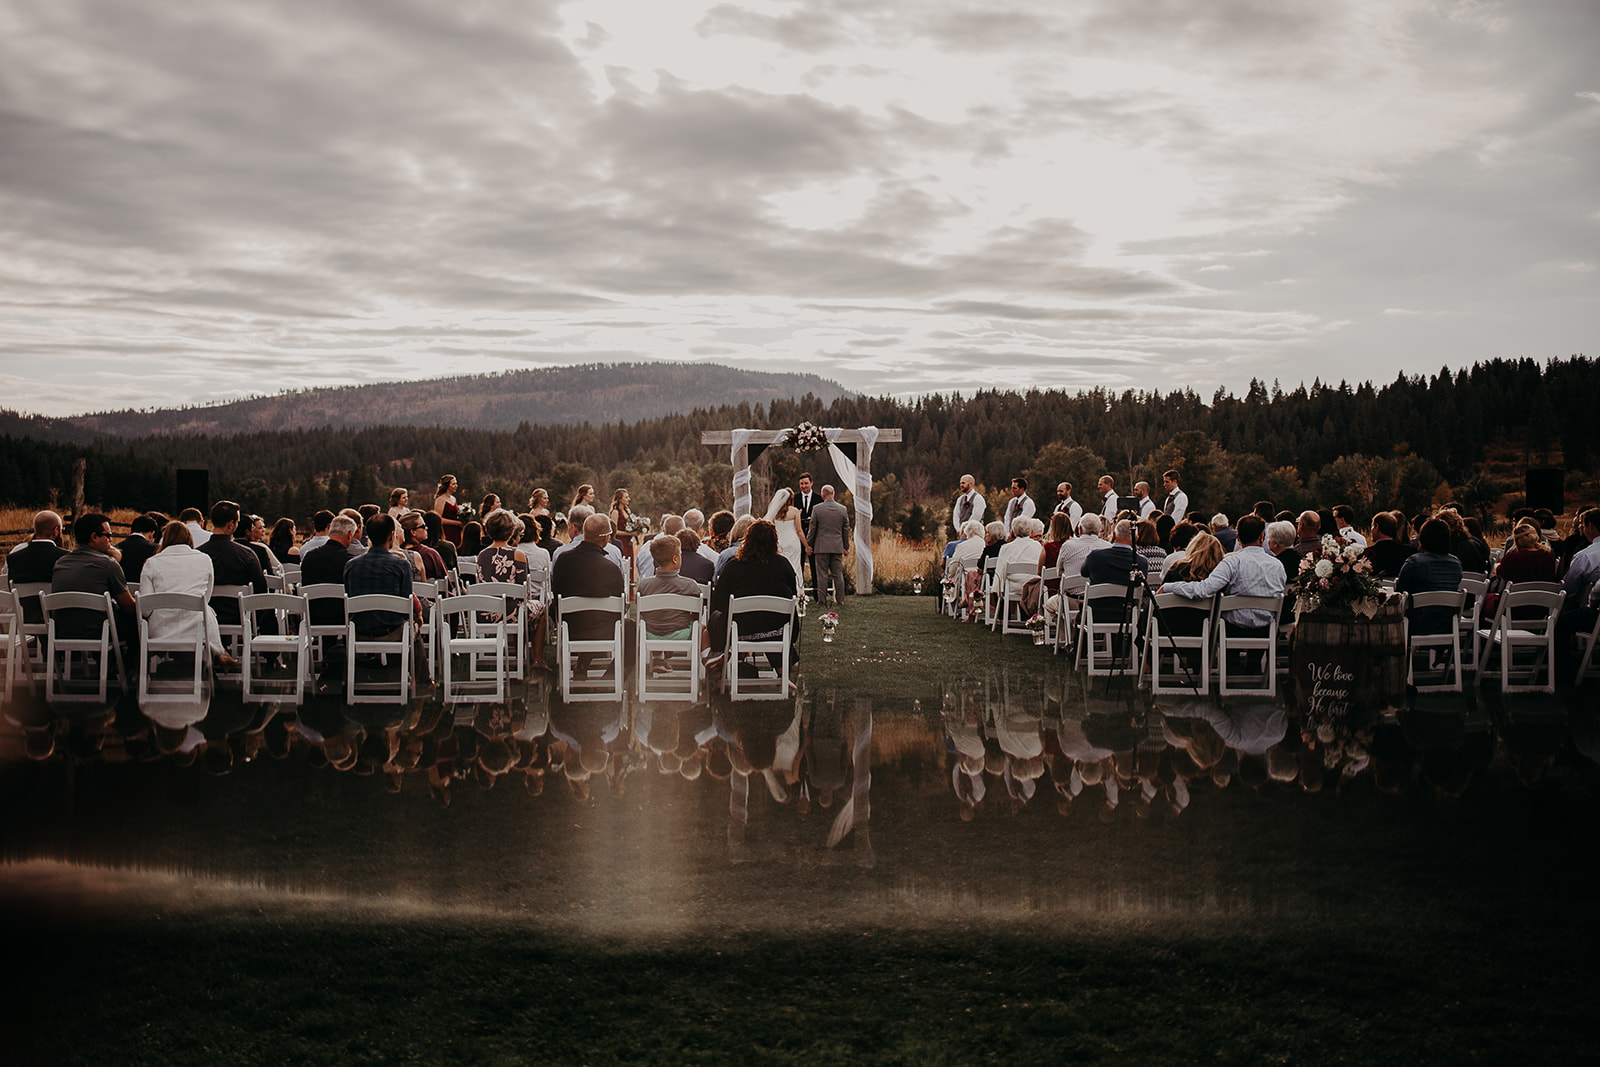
(194, 489)
(1544, 486)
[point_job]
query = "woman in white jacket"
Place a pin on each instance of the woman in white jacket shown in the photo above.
(179, 568)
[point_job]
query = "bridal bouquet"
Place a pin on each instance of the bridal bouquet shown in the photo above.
(1338, 576)
(807, 437)
(637, 524)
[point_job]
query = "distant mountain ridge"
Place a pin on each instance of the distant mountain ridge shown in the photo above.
(595, 393)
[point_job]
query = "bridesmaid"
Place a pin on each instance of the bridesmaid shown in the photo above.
(449, 512)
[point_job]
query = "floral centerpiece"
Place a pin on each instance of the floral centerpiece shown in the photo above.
(1337, 576)
(807, 437)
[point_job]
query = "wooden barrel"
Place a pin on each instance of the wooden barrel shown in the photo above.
(1345, 669)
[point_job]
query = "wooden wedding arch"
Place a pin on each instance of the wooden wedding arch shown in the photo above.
(856, 474)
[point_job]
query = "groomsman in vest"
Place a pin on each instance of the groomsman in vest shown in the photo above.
(1108, 497)
(1177, 501)
(805, 500)
(1068, 506)
(1147, 507)
(969, 505)
(1020, 506)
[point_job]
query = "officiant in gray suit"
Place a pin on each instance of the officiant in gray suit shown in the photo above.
(829, 534)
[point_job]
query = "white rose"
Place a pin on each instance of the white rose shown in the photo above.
(1352, 551)
(1324, 568)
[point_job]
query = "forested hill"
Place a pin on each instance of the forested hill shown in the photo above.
(593, 393)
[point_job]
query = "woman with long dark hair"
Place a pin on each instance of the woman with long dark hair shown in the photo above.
(757, 569)
(449, 512)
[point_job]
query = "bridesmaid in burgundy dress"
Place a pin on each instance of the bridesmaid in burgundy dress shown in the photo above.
(449, 512)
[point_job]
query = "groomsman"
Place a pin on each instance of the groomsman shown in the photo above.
(1068, 506)
(1020, 506)
(969, 505)
(1177, 502)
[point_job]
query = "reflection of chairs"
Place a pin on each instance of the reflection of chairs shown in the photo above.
(1434, 645)
(669, 669)
(579, 657)
(294, 640)
(482, 643)
(1526, 619)
(1098, 635)
(1266, 644)
(1160, 643)
(103, 646)
(188, 636)
(769, 682)
(378, 690)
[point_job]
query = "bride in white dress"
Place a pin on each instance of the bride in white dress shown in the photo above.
(791, 540)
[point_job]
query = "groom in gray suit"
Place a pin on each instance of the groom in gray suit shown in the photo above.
(829, 534)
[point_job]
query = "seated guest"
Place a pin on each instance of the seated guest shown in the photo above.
(1224, 532)
(994, 539)
(367, 511)
(1182, 534)
(1471, 552)
(1583, 592)
(436, 539)
(968, 548)
(89, 568)
(138, 546)
(281, 541)
(325, 565)
(736, 535)
(691, 564)
(471, 540)
(1530, 560)
(583, 569)
(1250, 571)
(192, 518)
(1345, 517)
(1069, 561)
(34, 560)
(1113, 565)
(501, 561)
(1280, 543)
(378, 570)
(721, 527)
(1198, 561)
(758, 569)
(178, 568)
(415, 532)
(252, 534)
(577, 522)
(1432, 568)
(1165, 524)
(1147, 542)
(1025, 547)
(528, 541)
(1385, 551)
(1060, 533)
(1309, 527)
(319, 532)
(666, 553)
(233, 564)
(645, 564)
(547, 533)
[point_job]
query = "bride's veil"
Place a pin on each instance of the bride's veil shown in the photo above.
(780, 500)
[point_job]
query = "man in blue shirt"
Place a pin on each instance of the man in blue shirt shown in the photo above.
(1582, 583)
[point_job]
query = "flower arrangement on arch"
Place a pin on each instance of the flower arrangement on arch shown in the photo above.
(807, 437)
(1337, 576)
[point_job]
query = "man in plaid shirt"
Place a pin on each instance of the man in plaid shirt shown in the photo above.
(378, 570)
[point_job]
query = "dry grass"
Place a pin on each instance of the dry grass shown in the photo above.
(21, 520)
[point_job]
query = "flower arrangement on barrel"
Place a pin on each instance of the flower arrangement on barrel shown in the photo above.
(1338, 576)
(807, 437)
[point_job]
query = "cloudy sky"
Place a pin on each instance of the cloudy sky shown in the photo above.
(206, 200)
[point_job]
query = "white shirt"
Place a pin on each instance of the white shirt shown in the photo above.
(1021, 550)
(180, 569)
(313, 544)
(1147, 508)
(1176, 504)
(1073, 509)
(1074, 551)
(978, 505)
(1109, 509)
(613, 553)
(1349, 534)
(1018, 507)
(201, 536)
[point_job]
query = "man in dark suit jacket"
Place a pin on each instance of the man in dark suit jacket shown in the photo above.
(586, 570)
(138, 547)
(325, 564)
(36, 560)
(829, 534)
(806, 501)
(232, 563)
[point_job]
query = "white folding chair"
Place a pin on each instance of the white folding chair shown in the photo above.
(1098, 636)
(232, 632)
(482, 643)
(988, 591)
(275, 583)
(539, 583)
(467, 569)
(33, 633)
(1010, 617)
(1433, 645)
(1589, 661)
(380, 690)
(1267, 644)
(611, 651)
(1532, 628)
(514, 607)
(1064, 625)
(331, 596)
(668, 669)
(104, 646)
(767, 683)
(291, 577)
(12, 646)
(187, 638)
(428, 631)
(1471, 619)
(1161, 643)
(294, 639)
